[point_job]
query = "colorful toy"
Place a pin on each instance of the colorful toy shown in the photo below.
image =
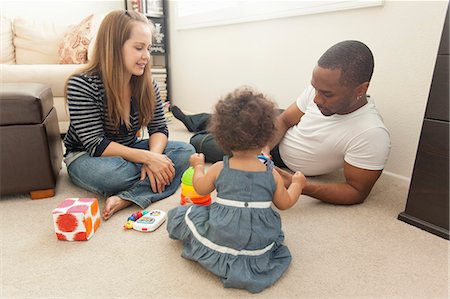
(188, 193)
(76, 219)
(145, 221)
(264, 159)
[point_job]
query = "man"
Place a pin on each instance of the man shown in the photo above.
(332, 125)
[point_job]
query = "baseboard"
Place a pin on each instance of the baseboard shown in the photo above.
(398, 178)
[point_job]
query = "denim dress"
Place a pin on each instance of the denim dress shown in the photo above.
(238, 237)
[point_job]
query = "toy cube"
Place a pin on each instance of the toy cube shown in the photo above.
(76, 219)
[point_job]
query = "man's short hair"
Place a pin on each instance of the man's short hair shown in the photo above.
(353, 58)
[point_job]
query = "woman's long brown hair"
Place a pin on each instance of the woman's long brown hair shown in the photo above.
(107, 62)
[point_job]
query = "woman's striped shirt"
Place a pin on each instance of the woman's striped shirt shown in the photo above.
(90, 130)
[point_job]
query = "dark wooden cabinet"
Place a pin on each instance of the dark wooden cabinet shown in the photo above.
(437, 107)
(427, 206)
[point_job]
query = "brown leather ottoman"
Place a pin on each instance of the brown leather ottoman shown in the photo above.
(30, 141)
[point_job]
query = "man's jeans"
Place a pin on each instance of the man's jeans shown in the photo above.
(117, 176)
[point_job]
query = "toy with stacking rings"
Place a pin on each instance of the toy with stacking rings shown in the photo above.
(188, 193)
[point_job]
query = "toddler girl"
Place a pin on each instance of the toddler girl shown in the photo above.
(239, 236)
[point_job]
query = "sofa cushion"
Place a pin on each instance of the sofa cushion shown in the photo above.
(6, 41)
(95, 25)
(74, 45)
(37, 42)
(53, 75)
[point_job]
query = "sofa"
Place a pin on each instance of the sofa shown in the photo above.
(45, 52)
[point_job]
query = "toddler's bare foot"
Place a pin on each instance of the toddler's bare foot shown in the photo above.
(114, 204)
(286, 176)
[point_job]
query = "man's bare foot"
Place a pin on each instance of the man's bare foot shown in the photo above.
(114, 204)
(286, 176)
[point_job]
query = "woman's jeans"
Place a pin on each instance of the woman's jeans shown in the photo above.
(117, 176)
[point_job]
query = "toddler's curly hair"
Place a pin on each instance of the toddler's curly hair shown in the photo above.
(243, 120)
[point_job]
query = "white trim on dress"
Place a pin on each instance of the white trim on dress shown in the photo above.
(220, 248)
(243, 204)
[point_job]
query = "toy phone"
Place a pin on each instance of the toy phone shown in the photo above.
(150, 221)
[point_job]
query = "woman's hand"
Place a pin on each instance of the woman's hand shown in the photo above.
(160, 171)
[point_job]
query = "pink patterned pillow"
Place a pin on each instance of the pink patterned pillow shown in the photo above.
(74, 45)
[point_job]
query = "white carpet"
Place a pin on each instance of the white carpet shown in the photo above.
(338, 252)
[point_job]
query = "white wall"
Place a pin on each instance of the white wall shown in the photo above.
(61, 11)
(277, 57)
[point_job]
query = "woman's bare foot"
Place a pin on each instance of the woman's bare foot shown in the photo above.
(114, 204)
(286, 176)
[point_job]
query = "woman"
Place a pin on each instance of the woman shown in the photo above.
(109, 101)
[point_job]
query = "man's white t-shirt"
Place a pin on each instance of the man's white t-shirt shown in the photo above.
(320, 144)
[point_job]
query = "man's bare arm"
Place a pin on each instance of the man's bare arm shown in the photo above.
(288, 118)
(359, 183)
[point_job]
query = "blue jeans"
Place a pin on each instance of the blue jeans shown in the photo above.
(116, 176)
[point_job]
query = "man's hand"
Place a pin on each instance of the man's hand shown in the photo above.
(298, 178)
(285, 176)
(265, 151)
